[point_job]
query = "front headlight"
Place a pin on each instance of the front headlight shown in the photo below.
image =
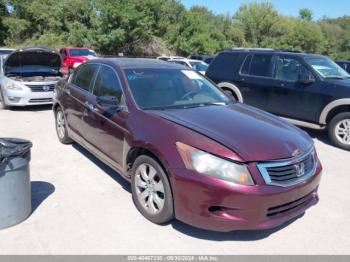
(208, 164)
(12, 86)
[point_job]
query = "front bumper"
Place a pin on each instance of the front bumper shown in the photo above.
(27, 97)
(212, 204)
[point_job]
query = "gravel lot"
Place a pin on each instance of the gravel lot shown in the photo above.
(80, 206)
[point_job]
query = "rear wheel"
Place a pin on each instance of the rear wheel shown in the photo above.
(2, 101)
(339, 130)
(61, 128)
(151, 190)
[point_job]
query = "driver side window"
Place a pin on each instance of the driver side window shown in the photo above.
(289, 69)
(107, 83)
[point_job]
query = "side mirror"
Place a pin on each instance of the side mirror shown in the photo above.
(108, 101)
(306, 79)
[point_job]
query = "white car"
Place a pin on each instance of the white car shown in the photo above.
(167, 58)
(197, 65)
(4, 51)
(28, 77)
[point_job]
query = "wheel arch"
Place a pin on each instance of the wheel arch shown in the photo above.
(138, 150)
(233, 88)
(334, 108)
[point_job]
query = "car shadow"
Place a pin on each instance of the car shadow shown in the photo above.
(239, 235)
(109, 171)
(320, 135)
(40, 192)
(37, 108)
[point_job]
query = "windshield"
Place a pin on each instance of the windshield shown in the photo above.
(81, 52)
(199, 66)
(172, 88)
(327, 68)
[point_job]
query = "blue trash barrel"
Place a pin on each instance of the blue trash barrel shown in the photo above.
(15, 189)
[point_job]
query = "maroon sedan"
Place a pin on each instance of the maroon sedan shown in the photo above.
(187, 149)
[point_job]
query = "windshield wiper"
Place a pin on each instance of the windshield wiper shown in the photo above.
(187, 106)
(206, 104)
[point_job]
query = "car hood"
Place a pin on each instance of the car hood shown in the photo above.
(340, 82)
(30, 57)
(249, 132)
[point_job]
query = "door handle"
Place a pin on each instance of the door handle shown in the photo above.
(88, 106)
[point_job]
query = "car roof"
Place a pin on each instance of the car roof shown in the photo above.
(36, 49)
(7, 49)
(127, 63)
(271, 51)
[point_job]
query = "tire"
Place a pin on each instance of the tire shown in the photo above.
(151, 190)
(230, 93)
(339, 130)
(2, 102)
(61, 129)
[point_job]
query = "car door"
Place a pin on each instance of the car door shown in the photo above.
(77, 91)
(255, 79)
(290, 97)
(106, 125)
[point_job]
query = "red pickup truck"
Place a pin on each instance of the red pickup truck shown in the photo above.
(75, 56)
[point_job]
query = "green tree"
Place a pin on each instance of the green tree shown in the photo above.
(306, 14)
(258, 21)
(3, 30)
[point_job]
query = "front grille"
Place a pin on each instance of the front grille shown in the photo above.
(40, 100)
(41, 88)
(273, 211)
(289, 172)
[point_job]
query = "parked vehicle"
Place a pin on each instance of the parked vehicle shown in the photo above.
(75, 56)
(307, 90)
(4, 52)
(167, 58)
(28, 77)
(345, 65)
(197, 65)
(205, 58)
(188, 150)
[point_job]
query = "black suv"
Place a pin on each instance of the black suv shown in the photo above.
(308, 90)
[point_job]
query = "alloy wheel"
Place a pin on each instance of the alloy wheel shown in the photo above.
(60, 124)
(342, 131)
(149, 189)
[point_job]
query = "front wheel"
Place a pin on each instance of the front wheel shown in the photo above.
(61, 127)
(339, 130)
(151, 191)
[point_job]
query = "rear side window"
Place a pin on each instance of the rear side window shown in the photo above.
(261, 65)
(84, 76)
(107, 83)
(224, 66)
(246, 65)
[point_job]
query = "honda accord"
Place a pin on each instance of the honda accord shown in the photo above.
(189, 151)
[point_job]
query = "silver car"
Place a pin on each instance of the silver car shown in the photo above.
(28, 77)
